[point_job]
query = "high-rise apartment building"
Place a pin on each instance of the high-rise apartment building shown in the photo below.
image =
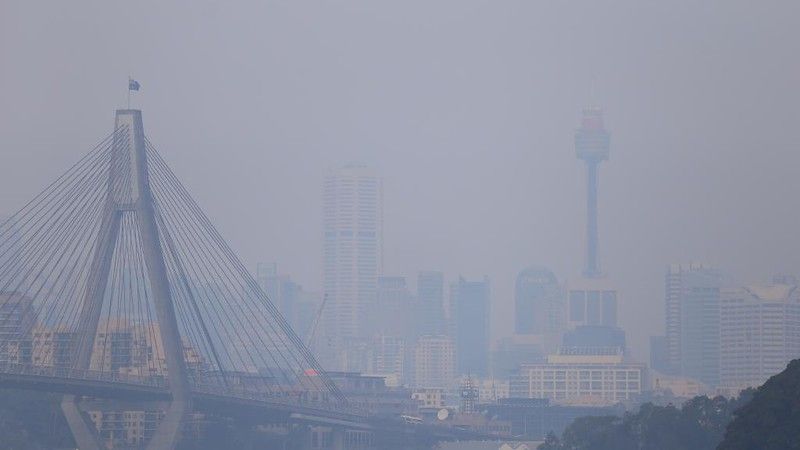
(434, 362)
(353, 241)
(759, 333)
(17, 319)
(693, 321)
(430, 316)
(471, 307)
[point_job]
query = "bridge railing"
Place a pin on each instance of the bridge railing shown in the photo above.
(289, 398)
(69, 373)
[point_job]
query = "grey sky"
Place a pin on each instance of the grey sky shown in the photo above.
(467, 108)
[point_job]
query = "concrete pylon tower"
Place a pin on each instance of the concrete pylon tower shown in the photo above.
(592, 143)
(128, 192)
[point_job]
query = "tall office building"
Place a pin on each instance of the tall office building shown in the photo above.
(430, 303)
(759, 333)
(539, 305)
(353, 253)
(392, 324)
(693, 321)
(471, 307)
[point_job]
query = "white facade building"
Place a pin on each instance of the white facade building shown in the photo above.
(353, 254)
(581, 380)
(759, 333)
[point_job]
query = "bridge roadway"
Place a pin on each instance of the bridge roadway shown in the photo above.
(267, 409)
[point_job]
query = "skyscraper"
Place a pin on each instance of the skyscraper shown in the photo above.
(430, 303)
(470, 300)
(353, 253)
(693, 321)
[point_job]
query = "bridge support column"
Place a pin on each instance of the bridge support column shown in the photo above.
(83, 432)
(129, 191)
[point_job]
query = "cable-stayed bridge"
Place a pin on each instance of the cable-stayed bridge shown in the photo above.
(117, 291)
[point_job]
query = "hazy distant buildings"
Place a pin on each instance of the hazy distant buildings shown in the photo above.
(511, 351)
(759, 333)
(353, 241)
(297, 306)
(434, 362)
(693, 321)
(430, 311)
(389, 358)
(658, 354)
(539, 305)
(393, 312)
(471, 307)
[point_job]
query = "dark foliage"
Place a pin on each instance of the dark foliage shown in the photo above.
(698, 425)
(771, 421)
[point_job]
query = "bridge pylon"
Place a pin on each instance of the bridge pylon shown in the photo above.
(128, 193)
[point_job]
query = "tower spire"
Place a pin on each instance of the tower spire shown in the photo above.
(592, 146)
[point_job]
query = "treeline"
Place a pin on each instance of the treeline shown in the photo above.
(698, 425)
(764, 419)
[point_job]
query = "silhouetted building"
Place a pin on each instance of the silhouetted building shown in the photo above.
(471, 303)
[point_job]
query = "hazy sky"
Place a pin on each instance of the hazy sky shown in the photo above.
(467, 108)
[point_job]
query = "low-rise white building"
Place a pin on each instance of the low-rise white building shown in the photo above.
(581, 379)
